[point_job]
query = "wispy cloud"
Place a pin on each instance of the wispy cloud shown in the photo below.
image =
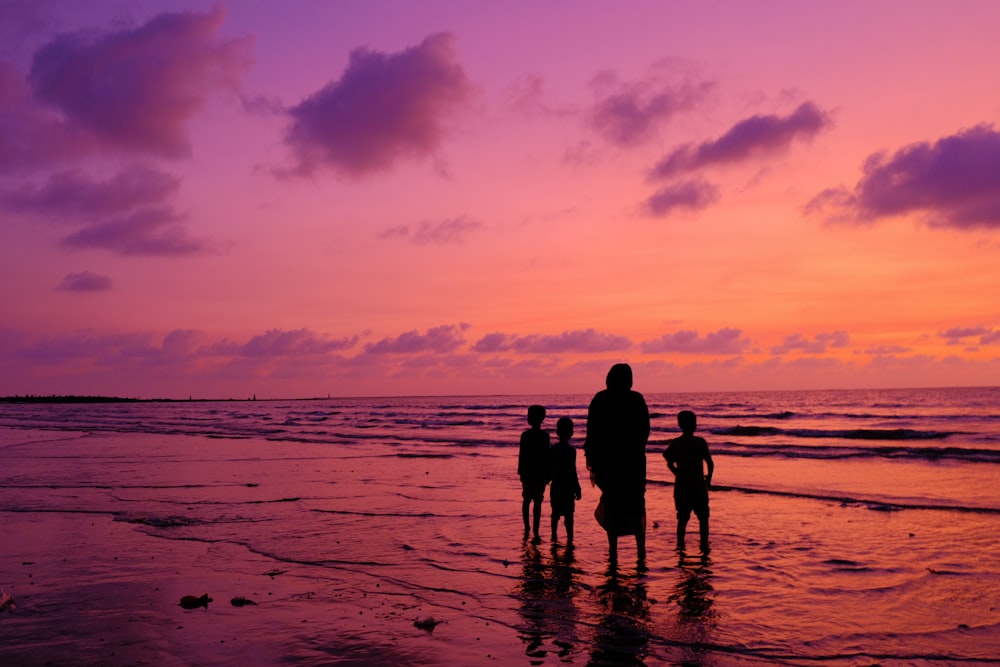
(816, 345)
(71, 195)
(723, 341)
(627, 113)
(749, 138)
(958, 335)
(85, 281)
(136, 89)
(690, 195)
(453, 231)
(146, 231)
(383, 108)
(953, 182)
(580, 341)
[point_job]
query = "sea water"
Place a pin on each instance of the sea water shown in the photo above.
(848, 527)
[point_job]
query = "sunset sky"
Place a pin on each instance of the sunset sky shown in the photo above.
(391, 198)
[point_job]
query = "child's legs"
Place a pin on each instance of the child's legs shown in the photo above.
(524, 513)
(683, 515)
(702, 514)
(569, 527)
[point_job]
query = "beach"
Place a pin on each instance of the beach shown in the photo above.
(403, 545)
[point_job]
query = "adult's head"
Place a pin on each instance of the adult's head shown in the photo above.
(620, 377)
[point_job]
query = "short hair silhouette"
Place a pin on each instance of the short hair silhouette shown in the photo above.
(536, 415)
(564, 427)
(687, 421)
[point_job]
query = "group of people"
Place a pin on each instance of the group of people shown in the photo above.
(615, 450)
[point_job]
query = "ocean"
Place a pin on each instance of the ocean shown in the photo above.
(849, 527)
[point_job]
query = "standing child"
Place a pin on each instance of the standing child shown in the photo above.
(565, 483)
(685, 456)
(533, 467)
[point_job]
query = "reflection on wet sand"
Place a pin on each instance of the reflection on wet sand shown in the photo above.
(547, 590)
(622, 634)
(695, 597)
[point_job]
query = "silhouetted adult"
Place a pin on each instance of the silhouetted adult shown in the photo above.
(615, 448)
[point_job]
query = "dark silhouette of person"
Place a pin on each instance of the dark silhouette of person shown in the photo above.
(533, 468)
(688, 457)
(565, 489)
(615, 448)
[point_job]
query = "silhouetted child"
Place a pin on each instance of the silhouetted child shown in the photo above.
(533, 467)
(565, 489)
(685, 457)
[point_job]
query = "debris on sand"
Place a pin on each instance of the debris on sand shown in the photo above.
(194, 601)
(241, 601)
(274, 573)
(427, 624)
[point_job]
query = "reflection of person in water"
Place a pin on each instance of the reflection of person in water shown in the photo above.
(547, 591)
(621, 637)
(615, 448)
(695, 597)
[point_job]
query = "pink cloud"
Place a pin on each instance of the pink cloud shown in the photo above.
(72, 195)
(445, 338)
(627, 113)
(757, 135)
(817, 345)
(85, 281)
(383, 108)
(956, 335)
(298, 342)
(136, 89)
(32, 137)
(952, 182)
(129, 214)
(690, 195)
(145, 231)
(723, 341)
(581, 341)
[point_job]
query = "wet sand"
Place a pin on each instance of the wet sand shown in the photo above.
(359, 557)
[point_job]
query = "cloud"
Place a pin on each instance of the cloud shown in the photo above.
(754, 136)
(128, 213)
(953, 182)
(85, 281)
(135, 90)
(723, 341)
(817, 345)
(445, 338)
(579, 341)
(885, 350)
(32, 137)
(955, 336)
(628, 113)
(691, 195)
(72, 195)
(146, 231)
(383, 108)
(453, 231)
(295, 343)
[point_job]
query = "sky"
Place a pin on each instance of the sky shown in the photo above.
(319, 198)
